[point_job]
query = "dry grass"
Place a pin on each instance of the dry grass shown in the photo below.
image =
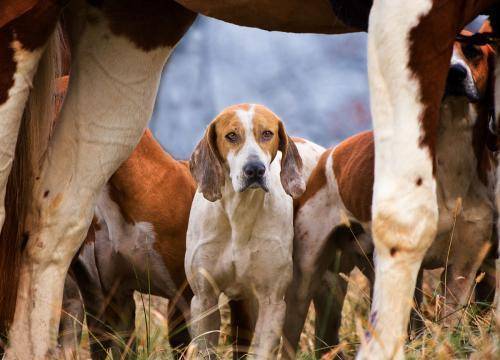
(474, 338)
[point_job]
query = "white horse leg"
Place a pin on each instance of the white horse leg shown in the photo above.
(109, 102)
(404, 209)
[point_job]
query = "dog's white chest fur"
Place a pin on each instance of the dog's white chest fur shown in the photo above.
(242, 242)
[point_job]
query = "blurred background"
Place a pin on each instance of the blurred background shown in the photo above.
(317, 84)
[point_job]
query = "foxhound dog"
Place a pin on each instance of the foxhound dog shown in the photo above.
(240, 232)
(339, 192)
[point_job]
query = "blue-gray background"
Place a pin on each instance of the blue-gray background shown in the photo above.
(316, 83)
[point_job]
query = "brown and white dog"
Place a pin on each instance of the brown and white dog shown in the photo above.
(339, 192)
(136, 242)
(240, 232)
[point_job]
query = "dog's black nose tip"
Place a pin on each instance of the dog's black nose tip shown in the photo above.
(254, 170)
(457, 73)
(455, 83)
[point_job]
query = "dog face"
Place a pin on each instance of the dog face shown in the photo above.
(469, 70)
(242, 142)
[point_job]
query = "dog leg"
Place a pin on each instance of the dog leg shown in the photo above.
(459, 276)
(109, 102)
(242, 326)
(328, 303)
(268, 328)
(311, 259)
(329, 298)
(120, 320)
(205, 325)
(73, 315)
(178, 332)
(298, 299)
(416, 322)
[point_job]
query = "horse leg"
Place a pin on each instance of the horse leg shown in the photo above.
(113, 85)
(22, 47)
(409, 50)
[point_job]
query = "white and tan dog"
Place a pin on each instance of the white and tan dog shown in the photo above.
(240, 231)
(339, 193)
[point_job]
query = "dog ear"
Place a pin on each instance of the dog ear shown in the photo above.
(291, 165)
(206, 166)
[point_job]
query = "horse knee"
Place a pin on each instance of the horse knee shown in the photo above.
(405, 227)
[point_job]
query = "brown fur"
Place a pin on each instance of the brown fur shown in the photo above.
(149, 23)
(430, 51)
(139, 183)
(317, 180)
(12, 9)
(315, 16)
(353, 167)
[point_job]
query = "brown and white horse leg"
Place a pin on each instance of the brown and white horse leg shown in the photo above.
(110, 99)
(407, 76)
(21, 50)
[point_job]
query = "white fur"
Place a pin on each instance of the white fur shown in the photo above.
(110, 99)
(241, 246)
(250, 151)
(456, 59)
(404, 215)
(310, 154)
(11, 111)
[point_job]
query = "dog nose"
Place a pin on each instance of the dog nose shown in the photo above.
(455, 83)
(457, 73)
(254, 170)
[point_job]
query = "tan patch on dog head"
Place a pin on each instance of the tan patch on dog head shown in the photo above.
(266, 127)
(230, 132)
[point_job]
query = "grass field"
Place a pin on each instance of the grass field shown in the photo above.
(473, 338)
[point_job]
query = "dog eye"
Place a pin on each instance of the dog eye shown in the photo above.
(471, 51)
(267, 135)
(232, 137)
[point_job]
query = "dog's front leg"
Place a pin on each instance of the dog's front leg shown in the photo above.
(459, 276)
(268, 330)
(205, 324)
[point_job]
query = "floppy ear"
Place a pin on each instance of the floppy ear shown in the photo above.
(206, 166)
(291, 165)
